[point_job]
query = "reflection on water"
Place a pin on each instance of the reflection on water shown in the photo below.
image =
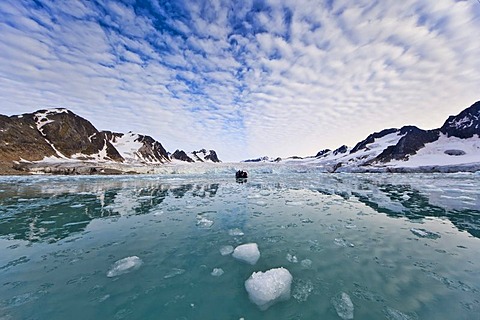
(383, 245)
(36, 213)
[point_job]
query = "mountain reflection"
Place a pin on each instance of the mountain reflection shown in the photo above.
(406, 201)
(54, 212)
(51, 209)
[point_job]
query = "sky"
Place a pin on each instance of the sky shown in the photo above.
(246, 78)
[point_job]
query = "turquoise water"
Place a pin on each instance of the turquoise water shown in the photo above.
(399, 246)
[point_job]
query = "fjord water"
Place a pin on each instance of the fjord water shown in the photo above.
(397, 246)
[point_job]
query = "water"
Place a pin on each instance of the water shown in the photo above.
(381, 246)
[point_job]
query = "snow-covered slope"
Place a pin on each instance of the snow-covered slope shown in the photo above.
(139, 148)
(445, 151)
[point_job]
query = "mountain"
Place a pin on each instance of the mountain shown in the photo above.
(137, 148)
(453, 146)
(201, 155)
(57, 133)
(60, 136)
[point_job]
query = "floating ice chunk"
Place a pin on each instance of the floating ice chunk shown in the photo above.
(422, 233)
(204, 222)
(235, 232)
(266, 288)
(393, 314)
(124, 265)
(247, 253)
(173, 273)
(226, 250)
(343, 305)
(301, 290)
(292, 258)
(217, 272)
(306, 263)
(293, 203)
(343, 243)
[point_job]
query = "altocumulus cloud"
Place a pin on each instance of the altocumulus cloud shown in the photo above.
(246, 78)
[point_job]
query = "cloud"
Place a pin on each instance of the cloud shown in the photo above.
(246, 78)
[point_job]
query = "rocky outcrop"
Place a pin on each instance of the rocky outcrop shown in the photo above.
(203, 155)
(465, 124)
(413, 140)
(181, 155)
(322, 153)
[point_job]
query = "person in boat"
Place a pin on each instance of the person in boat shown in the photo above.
(241, 174)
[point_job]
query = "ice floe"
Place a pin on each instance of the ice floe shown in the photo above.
(204, 222)
(217, 272)
(266, 288)
(422, 233)
(124, 265)
(343, 305)
(393, 314)
(343, 243)
(302, 290)
(292, 258)
(248, 253)
(306, 263)
(235, 232)
(226, 250)
(173, 273)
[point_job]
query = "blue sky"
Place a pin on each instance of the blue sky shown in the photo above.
(246, 78)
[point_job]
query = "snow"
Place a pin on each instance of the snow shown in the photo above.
(269, 287)
(248, 253)
(128, 147)
(434, 153)
(124, 265)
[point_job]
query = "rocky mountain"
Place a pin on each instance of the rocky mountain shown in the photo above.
(57, 133)
(137, 148)
(453, 146)
(201, 155)
(60, 136)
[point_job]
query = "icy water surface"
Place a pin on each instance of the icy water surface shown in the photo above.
(357, 246)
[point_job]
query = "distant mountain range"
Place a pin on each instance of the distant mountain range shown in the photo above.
(61, 135)
(31, 142)
(452, 147)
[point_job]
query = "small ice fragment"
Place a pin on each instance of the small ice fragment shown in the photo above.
(343, 243)
(158, 213)
(293, 203)
(393, 314)
(124, 265)
(266, 288)
(226, 250)
(235, 232)
(173, 273)
(301, 290)
(306, 263)
(343, 305)
(204, 222)
(422, 233)
(217, 272)
(350, 226)
(292, 258)
(247, 253)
